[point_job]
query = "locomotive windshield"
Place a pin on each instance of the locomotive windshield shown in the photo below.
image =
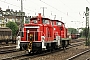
(59, 23)
(35, 21)
(45, 21)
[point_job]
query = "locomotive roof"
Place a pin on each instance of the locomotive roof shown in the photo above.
(61, 22)
(5, 29)
(42, 18)
(58, 21)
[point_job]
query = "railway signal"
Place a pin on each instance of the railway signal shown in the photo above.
(87, 26)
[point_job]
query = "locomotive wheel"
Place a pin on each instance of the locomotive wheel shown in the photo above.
(6, 42)
(20, 48)
(40, 51)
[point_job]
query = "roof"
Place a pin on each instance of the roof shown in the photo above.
(36, 18)
(5, 29)
(58, 21)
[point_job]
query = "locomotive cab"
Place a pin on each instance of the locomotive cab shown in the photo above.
(36, 34)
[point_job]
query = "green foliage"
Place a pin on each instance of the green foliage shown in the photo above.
(85, 32)
(82, 33)
(13, 26)
(72, 30)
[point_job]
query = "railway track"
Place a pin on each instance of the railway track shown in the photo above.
(27, 56)
(88, 58)
(8, 49)
(77, 40)
(11, 56)
(85, 55)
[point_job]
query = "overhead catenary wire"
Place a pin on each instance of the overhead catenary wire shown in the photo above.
(69, 8)
(15, 5)
(52, 7)
(88, 1)
(35, 11)
(68, 15)
(57, 9)
(66, 5)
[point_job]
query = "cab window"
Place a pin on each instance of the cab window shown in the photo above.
(35, 21)
(59, 23)
(46, 21)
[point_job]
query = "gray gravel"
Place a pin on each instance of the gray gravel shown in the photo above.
(62, 55)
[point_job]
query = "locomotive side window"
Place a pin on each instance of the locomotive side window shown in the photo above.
(56, 23)
(59, 23)
(34, 20)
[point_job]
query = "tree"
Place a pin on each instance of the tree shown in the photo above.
(72, 30)
(13, 26)
(85, 32)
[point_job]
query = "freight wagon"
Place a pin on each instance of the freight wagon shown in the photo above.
(5, 35)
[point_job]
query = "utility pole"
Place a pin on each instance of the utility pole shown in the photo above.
(21, 6)
(43, 10)
(21, 13)
(87, 26)
(53, 15)
(61, 18)
(21, 17)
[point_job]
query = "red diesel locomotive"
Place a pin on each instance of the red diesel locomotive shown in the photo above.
(43, 34)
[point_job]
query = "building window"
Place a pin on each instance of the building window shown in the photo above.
(3, 13)
(0, 21)
(16, 19)
(0, 14)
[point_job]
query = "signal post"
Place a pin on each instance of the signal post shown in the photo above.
(87, 26)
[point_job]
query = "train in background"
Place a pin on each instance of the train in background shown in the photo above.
(75, 36)
(6, 35)
(43, 34)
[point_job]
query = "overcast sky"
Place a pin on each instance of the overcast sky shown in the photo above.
(71, 12)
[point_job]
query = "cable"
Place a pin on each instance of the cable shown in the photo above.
(65, 5)
(52, 7)
(88, 1)
(9, 3)
(56, 8)
(15, 5)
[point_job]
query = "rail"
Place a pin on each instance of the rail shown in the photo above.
(25, 56)
(78, 54)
